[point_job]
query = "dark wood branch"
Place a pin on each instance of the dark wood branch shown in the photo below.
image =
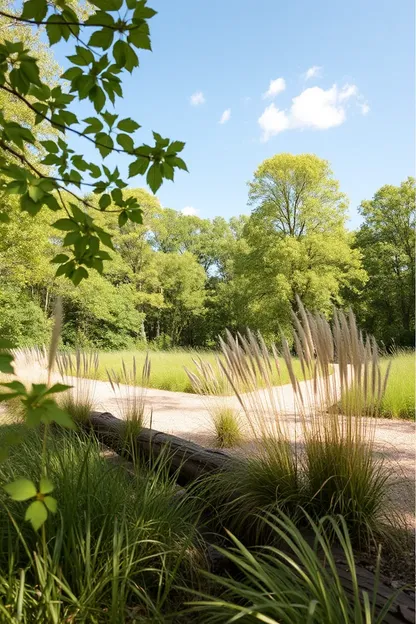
(64, 22)
(188, 460)
(64, 127)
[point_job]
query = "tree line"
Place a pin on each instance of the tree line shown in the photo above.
(173, 280)
(177, 280)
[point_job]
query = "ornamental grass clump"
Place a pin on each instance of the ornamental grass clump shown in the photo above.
(292, 580)
(211, 384)
(314, 449)
(344, 474)
(79, 371)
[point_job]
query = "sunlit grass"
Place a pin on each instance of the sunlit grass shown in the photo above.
(167, 367)
(399, 399)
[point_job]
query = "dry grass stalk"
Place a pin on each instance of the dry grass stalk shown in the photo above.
(79, 370)
(212, 385)
(130, 387)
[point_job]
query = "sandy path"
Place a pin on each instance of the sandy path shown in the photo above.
(186, 415)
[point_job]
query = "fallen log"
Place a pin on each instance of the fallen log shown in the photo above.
(189, 461)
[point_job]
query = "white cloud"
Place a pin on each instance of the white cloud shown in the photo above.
(313, 72)
(275, 87)
(317, 108)
(273, 121)
(314, 108)
(365, 109)
(348, 91)
(189, 211)
(197, 98)
(225, 116)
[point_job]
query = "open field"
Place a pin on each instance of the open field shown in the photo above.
(167, 367)
(399, 400)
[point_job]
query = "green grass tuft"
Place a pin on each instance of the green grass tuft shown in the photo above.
(399, 398)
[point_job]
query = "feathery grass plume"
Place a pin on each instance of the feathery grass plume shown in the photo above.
(270, 478)
(344, 476)
(56, 332)
(79, 371)
(212, 385)
(130, 385)
(296, 582)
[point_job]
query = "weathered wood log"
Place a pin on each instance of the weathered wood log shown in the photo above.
(190, 461)
(187, 460)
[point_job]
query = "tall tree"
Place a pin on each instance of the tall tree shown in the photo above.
(297, 242)
(387, 241)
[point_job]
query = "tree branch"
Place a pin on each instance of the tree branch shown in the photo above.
(64, 127)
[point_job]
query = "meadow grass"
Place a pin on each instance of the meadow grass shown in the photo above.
(293, 582)
(399, 398)
(167, 367)
(112, 551)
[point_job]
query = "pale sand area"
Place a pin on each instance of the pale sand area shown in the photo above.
(186, 415)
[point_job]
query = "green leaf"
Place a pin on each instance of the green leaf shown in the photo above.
(35, 9)
(175, 146)
(102, 38)
(4, 217)
(78, 275)
(36, 514)
(128, 125)
(65, 225)
(54, 31)
(50, 146)
(120, 52)
(104, 143)
(21, 489)
(154, 177)
(139, 36)
(117, 196)
(126, 142)
(178, 162)
(71, 73)
(28, 205)
(104, 201)
(138, 167)
(60, 258)
(122, 220)
(108, 5)
(51, 503)
(45, 486)
(135, 215)
(55, 413)
(105, 238)
(6, 366)
(35, 193)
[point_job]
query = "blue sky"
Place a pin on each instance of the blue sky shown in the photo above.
(231, 50)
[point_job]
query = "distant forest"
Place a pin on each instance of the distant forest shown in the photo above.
(178, 280)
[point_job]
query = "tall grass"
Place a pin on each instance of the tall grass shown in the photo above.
(211, 384)
(325, 460)
(78, 370)
(114, 550)
(130, 388)
(296, 583)
(399, 398)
